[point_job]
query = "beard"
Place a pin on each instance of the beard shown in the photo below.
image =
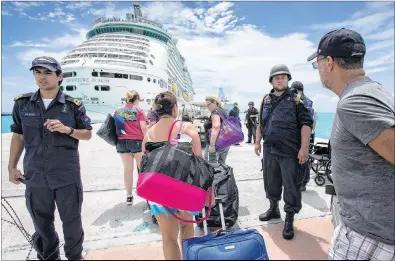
(279, 88)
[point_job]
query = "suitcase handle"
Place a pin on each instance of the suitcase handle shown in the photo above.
(210, 197)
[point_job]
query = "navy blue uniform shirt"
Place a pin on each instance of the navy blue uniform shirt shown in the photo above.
(283, 118)
(51, 158)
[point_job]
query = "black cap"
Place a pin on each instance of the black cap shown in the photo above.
(297, 85)
(235, 104)
(47, 63)
(340, 43)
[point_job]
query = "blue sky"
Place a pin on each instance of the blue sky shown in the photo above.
(226, 44)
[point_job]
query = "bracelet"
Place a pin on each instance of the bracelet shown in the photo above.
(212, 144)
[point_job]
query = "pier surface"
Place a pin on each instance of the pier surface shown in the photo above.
(114, 230)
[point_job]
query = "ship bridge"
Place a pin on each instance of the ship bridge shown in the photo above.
(119, 27)
(134, 23)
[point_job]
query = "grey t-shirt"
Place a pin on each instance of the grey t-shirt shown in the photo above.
(363, 180)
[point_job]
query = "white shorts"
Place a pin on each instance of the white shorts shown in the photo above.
(350, 245)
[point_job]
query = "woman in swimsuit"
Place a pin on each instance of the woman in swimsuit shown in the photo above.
(167, 110)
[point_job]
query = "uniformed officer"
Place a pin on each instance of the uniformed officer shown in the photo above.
(251, 121)
(286, 125)
(48, 124)
(298, 86)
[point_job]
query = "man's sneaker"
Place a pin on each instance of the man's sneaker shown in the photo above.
(129, 200)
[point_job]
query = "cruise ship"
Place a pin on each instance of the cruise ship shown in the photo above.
(119, 55)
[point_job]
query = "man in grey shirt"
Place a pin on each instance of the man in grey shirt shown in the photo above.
(363, 158)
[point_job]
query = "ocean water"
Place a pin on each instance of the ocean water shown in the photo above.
(322, 128)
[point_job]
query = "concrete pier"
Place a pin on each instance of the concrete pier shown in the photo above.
(114, 230)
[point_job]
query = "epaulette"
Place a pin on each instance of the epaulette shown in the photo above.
(25, 95)
(73, 100)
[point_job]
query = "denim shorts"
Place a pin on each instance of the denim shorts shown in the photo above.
(129, 146)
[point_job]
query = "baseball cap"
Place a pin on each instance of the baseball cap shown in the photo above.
(235, 104)
(340, 43)
(47, 63)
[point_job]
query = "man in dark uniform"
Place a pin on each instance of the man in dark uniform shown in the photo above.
(235, 111)
(298, 86)
(48, 124)
(286, 126)
(251, 121)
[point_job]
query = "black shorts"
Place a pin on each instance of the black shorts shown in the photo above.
(129, 146)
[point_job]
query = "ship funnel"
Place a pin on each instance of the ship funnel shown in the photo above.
(137, 11)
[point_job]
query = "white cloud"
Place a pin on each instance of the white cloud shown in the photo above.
(78, 5)
(325, 103)
(386, 58)
(110, 10)
(56, 15)
(27, 44)
(380, 45)
(379, 69)
(3, 12)
(382, 35)
(364, 25)
(28, 56)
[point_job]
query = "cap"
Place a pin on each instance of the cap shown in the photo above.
(235, 104)
(340, 43)
(47, 63)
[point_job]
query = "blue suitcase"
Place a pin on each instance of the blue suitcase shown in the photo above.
(242, 244)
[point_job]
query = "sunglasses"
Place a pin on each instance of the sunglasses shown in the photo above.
(315, 64)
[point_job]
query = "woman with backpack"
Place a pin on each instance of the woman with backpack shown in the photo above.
(130, 124)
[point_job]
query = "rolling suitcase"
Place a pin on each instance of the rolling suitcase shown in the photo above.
(241, 244)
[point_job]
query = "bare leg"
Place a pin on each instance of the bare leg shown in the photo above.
(128, 160)
(138, 157)
(169, 229)
(186, 230)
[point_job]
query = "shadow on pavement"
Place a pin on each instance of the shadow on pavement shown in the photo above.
(313, 199)
(304, 246)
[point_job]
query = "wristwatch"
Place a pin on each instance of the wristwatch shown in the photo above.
(71, 131)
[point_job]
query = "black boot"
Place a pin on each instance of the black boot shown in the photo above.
(288, 232)
(273, 212)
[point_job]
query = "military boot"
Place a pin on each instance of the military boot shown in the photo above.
(273, 212)
(288, 232)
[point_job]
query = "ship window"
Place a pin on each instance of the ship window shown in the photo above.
(148, 79)
(97, 87)
(61, 88)
(105, 88)
(118, 75)
(152, 56)
(71, 88)
(69, 74)
(154, 80)
(136, 77)
(125, 76)
(106, 74)
(151, 62)
(95, 74)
